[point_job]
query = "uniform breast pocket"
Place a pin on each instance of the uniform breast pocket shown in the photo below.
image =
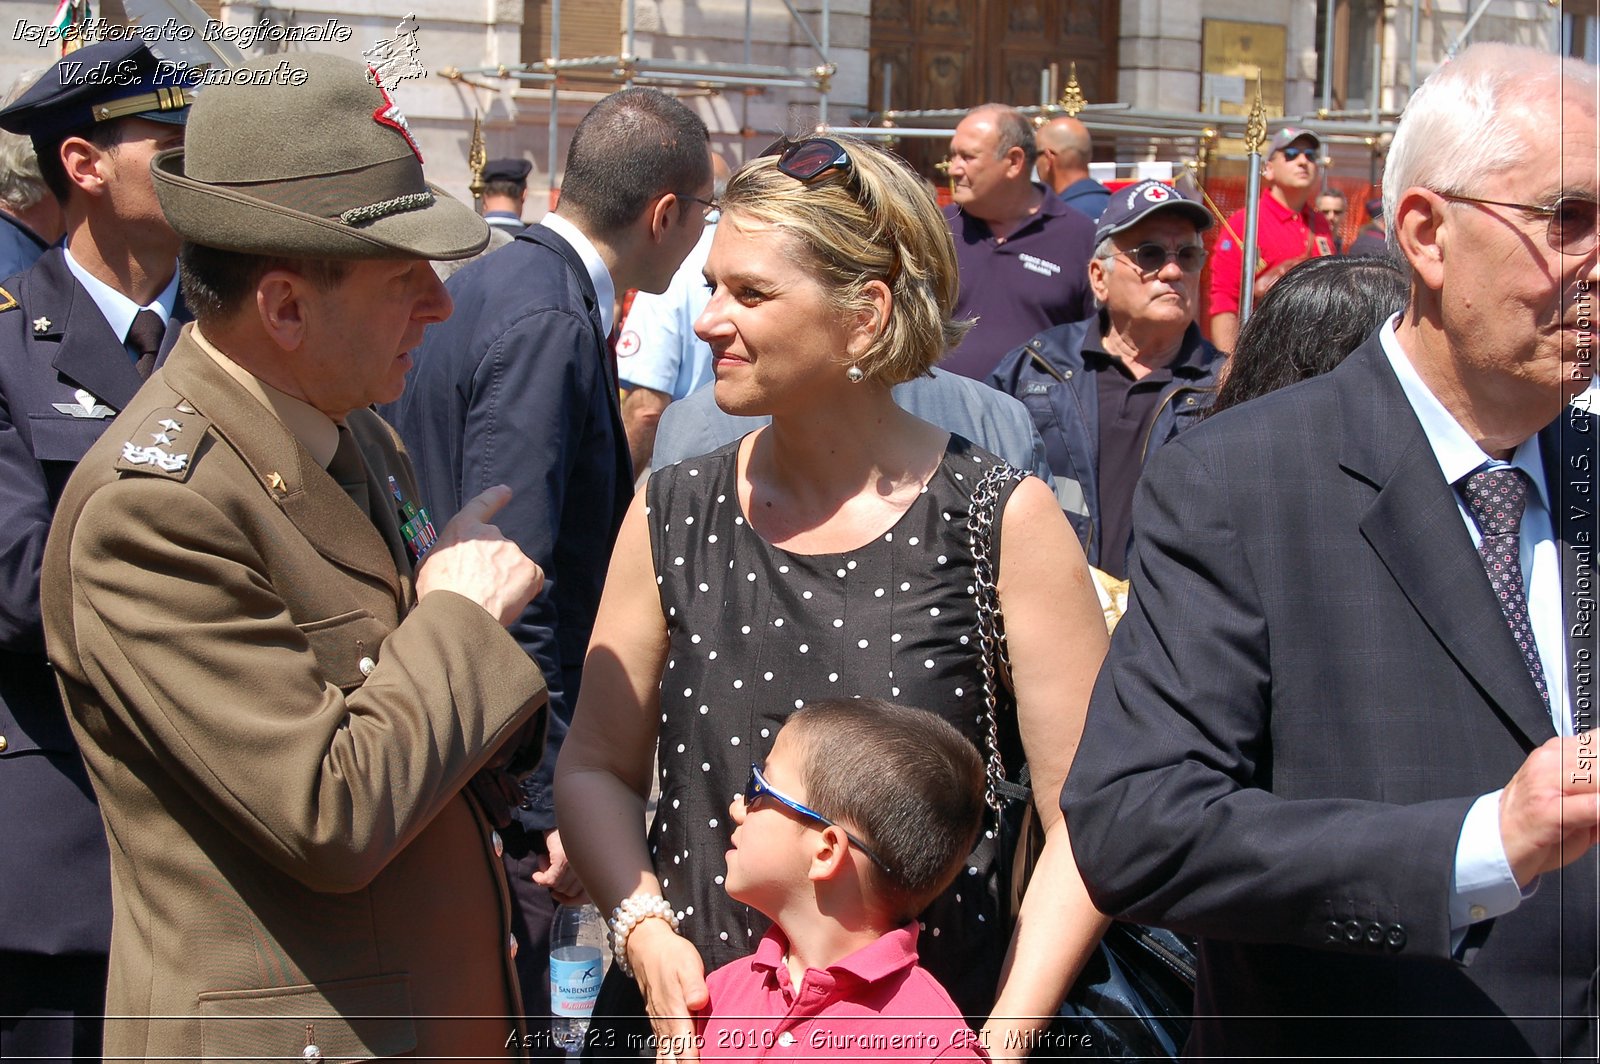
(346, 646)
(64, 439)
(59, 444)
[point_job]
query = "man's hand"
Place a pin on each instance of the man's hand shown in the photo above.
(1550, 811)
(556, 875)
(475, 561)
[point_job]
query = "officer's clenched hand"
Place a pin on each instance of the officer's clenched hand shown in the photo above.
(475, 561)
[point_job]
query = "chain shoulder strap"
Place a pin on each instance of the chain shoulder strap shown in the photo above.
(991, 627)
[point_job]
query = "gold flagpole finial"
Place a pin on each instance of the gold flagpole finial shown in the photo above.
(1072, 99)
(1255, 128)
(477, 157)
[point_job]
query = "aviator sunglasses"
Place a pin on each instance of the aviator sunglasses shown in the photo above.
(1151, 257)
(757, 788)
(1572, 220)
(1292, 154)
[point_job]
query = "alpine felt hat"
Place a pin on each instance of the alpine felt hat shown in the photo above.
(319, 166)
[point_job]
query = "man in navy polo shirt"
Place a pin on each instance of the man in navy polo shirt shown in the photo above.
(1064, 153)
(1023, 254)
(1288, 231)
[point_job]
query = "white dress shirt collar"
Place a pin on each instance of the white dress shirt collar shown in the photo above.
(605, 292)
(1458, 454)
(118, 310)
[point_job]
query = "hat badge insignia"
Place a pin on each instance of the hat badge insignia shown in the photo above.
(390, 114)
(1157, 194)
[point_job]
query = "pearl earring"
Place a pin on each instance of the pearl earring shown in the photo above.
(855, 374)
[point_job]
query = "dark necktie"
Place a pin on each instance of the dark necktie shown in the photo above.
(1496, 499)
(145, 337)
(350, 471)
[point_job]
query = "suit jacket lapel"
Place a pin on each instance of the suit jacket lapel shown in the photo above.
(88, 353)
(313, 500)
(1416, 529)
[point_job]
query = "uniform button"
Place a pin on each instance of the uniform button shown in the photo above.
(3, 743)
(497, 843)
(512, 946)
(311, 1052)
(366, 666)
(1335, 930)
(786, 1039)
(1352, 931)
(1477, 913)
(1374, 935)
(1397, 937)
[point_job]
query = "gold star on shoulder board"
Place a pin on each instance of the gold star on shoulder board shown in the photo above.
(41, 324)
(275, 482)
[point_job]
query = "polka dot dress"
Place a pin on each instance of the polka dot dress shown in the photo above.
(757, 631)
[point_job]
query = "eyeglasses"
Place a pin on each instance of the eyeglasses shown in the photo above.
(1292, 154)
(1572, 220)
(711, 206)
(808, 160)
(757, 788)
(1152, 257)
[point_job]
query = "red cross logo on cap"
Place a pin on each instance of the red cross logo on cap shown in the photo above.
(1157, 194)
(389, 114)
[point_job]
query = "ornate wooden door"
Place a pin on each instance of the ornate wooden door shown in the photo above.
(960, 53)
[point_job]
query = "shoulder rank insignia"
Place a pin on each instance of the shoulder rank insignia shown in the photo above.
(164, 444)
(87, 406)
(7, 301)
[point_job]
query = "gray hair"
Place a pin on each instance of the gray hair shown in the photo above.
(1465, 124)
(1012, 130)
(21, 185)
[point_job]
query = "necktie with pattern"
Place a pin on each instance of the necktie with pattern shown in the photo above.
(1496, 499)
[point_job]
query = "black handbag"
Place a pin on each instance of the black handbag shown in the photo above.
(1134, 998)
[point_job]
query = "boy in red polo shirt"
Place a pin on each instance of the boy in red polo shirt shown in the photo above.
(862, 816)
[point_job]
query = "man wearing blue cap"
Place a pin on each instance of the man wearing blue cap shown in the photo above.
(1107, 392)
(505, 188)
(79, 331)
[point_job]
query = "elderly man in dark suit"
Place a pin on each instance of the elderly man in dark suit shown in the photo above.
(79, 331)
(518, 388)
(1344, 735)
(278, 706)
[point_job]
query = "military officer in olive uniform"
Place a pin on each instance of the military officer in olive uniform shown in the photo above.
(280, 674)
(74, 328)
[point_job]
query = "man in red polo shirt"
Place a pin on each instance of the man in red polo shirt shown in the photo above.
(1288, 231)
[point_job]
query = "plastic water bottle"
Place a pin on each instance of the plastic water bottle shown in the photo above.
(577, 963)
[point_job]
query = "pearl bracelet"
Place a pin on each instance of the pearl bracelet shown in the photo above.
(631, 913)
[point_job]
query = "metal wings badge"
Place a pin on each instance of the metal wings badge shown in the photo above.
(87, 406)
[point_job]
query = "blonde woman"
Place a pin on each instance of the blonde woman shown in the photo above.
(825, 555)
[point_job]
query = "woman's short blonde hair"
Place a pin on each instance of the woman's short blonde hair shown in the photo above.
(876, 221)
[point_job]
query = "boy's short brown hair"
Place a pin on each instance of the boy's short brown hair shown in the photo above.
(904, 780)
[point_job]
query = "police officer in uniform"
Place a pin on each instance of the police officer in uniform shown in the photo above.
(79, 330)
(280, 674)
(505, 189)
